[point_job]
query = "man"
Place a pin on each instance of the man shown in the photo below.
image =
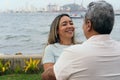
(98, 58)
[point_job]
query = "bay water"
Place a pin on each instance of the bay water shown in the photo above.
(27, 33)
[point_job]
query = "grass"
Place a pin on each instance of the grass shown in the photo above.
(21, 77)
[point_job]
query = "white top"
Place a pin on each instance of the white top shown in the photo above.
(98, 58)
(52, 52)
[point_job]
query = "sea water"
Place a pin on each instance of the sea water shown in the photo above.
(28, 32)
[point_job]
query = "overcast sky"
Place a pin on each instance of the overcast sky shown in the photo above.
(14, 4)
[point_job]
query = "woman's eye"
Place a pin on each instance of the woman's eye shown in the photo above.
(64, 24)
(71, 23)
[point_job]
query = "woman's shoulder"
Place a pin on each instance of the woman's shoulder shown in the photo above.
(52, 45)
(49, 46)
(74, 47)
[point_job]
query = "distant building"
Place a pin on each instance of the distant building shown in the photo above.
(72, 7)
(52, 7)
(117, 12)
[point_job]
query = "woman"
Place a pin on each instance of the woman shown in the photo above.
(60, 37)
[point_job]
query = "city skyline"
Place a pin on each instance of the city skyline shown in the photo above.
(16, 4)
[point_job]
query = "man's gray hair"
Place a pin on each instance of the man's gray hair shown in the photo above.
(101, 15)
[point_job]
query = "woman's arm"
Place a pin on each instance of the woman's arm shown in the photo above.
(47, 65)
(48, 58)
(48, 74)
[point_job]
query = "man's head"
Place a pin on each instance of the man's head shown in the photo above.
(99, 19)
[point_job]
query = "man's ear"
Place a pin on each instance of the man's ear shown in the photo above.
(89, 26)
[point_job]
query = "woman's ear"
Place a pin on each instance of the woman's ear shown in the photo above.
(89, 26)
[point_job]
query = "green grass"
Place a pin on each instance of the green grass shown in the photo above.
(21, 77)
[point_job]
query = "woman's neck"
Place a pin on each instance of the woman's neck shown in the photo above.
(66, 42)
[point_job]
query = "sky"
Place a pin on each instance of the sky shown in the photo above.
(15, 4)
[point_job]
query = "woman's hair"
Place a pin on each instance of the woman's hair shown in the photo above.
(101, 15)
(53, 34)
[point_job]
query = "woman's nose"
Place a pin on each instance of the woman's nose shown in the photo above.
(70, 26)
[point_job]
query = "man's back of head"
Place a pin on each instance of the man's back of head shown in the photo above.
(101, 15)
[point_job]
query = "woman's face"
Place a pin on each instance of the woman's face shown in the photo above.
(66, 28)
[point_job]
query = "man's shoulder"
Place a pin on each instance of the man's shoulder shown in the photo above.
(118, 42)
